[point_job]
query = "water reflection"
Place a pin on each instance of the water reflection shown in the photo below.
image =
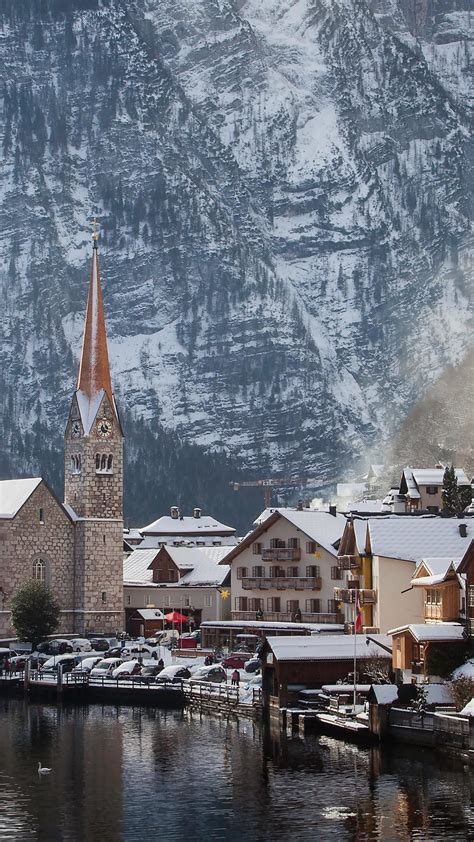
(134, 774)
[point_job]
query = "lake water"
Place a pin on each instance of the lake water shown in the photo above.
(141, 774)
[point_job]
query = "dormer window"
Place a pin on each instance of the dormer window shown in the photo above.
(104, 463)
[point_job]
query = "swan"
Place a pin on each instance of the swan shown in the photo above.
(43, 770)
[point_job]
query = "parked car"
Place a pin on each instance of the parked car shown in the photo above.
(135, 650)
(234, 662)
(57, 646)
(87, 664)
(115, 652)
(214, 673)
(127, 670)
(67, 661)
(173, 674)
(155, 639)
(103, 644)
(253, 665)
(105, 668)
(37, 659)
(81, 644)
(149, 673)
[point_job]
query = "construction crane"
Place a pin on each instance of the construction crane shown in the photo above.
(268, 485)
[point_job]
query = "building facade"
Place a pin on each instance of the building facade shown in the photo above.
(76, 547)
(286, 568)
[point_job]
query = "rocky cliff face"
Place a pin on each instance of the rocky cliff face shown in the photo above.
(283, 188)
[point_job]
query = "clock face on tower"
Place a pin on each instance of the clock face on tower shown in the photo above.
(75, 429)
(104, 428)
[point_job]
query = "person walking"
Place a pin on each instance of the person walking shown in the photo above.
(235, 678)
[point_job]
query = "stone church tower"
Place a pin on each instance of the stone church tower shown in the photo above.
(93, 484)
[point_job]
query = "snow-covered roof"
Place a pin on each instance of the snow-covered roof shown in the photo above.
(427, 632)
(200, 563)
(208, 539)
(320, 526)
(314, 628)
(416, 538)
(468, 710)
(187, 525)
(328, 647)
(434, 476)
(385, 694)
(465, 670)
(438, 568)
(14, 493)
(438, 694)
(150, 613)
(132, 534)
(367, 506)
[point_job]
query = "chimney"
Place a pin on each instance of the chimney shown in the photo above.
(299, 507)
(332, 510)
(463, 530)
(197, 512)
(174, 512)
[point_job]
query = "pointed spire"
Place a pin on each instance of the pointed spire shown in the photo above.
(94, 370)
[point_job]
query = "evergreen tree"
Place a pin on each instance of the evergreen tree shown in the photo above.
(455, 499)
(35, 612)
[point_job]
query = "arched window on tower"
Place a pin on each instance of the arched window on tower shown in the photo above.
(39, 570)
(104, 463)
(76, 463)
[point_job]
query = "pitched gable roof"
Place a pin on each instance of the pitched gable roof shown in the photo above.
(14, 493)
(416, 538)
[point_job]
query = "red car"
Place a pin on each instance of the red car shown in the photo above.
(234, 662)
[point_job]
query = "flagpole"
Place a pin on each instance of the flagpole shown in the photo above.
(355, 648)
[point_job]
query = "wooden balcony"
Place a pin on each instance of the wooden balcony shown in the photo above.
(282, 583)
(283, 617)
(349, 562)
(348, 596)
(281, 554)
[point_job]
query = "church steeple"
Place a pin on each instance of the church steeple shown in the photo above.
(94, 370)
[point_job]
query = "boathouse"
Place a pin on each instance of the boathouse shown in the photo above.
(293, 664)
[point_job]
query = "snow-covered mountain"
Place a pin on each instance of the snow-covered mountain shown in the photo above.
(284, 192)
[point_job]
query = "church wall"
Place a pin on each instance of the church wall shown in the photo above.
(24, 540)
(99, 552)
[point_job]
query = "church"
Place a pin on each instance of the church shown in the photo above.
(75, 546)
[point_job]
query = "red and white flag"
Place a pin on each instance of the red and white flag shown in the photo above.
(358, 613)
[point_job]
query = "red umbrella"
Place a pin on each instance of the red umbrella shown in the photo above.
(175, 617)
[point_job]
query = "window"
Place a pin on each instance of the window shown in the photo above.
(276, 572)
(312, 571)
(273, 604)
(129, 599)
(186, 601)
(277, 544)
(41, 516)
(258, 571)
(431, 489)
(104, 597)
(241, 603)
(332, 606)
(336, 573)
(200, 543)
(172, 577)
(257, 549)
(110, 462)
(310, 546)
(292, 571)
(217, 543)
(293, 543)
(255, 604)
(104, 463)
(39, 570)
(166, 601)
(208, 601)
(313, 606)
(241, 572)
(292, 605)
(76, 463)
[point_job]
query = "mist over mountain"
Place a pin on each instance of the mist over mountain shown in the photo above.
(283, 189)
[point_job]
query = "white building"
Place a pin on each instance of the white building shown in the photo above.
(178, 530)
(286, 567)
(190, 580)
